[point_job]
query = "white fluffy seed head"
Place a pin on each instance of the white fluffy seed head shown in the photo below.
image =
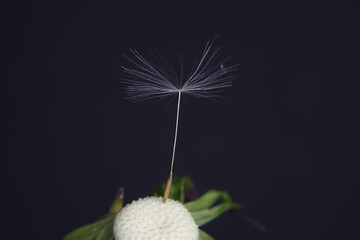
(151, 219)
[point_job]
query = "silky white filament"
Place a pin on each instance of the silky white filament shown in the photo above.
(147, 80)
(155, 80)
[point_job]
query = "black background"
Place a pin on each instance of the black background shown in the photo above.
(285, 143)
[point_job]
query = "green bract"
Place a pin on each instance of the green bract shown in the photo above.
(202, 210)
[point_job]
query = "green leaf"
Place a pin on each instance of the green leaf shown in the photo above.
(178, 188)
(106, 233)
(207, 215)
(204, 236)
(207, 200)
(90, 231)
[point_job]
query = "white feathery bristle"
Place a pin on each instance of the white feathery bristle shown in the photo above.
(148, 80)
(149, 218)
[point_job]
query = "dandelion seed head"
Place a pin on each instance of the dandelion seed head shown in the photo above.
(149, 218)
(147, 80)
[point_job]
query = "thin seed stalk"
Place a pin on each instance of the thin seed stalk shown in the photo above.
(169, 181)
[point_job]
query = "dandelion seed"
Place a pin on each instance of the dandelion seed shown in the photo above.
(147, 80)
